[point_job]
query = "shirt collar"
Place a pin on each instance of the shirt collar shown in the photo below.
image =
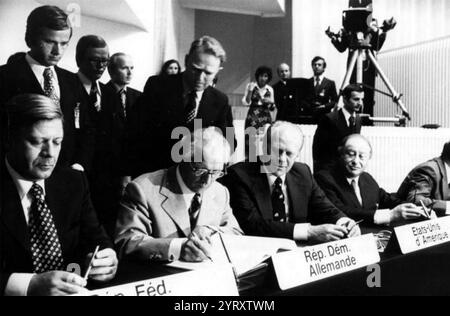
(272, 178)
(447, 169)
(38, 69)
(320, 78)
(23, 186)
(351, 180)
(347, 114)
(118, 88)
(87, 83)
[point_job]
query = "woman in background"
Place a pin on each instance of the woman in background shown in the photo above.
(260, 97)
(170, 68)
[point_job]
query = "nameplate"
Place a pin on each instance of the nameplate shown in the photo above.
(218, 281)
(423, 235)
(311, 264)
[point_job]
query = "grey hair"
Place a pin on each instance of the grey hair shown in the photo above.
(209, 139)
(209, 45)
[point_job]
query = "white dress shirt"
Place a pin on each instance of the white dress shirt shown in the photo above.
(300, 230)
(38, 71)
(177, 243)
(18, 283)
(321, 77)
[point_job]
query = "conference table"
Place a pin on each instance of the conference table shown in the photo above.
(421, 273)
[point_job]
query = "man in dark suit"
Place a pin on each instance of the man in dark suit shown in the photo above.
(92, 57)
(118, 101)
(429, 183)
(335, 126)
(284, 95)
(47, 224)
(183, 101)
(322, 95)
(278, 197)
(48, 34)
(355, 192)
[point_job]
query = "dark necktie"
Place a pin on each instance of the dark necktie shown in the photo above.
(191, 107)
(49, 85)
(93, 95)
(45, 246)
(194, 210)
(352, 122)
(278, 198)
(123, 102)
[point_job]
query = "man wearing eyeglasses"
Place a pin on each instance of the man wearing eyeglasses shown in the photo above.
(357, 194)
(178, 101)
(48, 34)
(172, 213)
(92, 56)
(278, 197)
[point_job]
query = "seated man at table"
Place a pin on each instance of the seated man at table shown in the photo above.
(429, 183)
(164, 216)
(355, 192)
(277, 197)
(47, 222)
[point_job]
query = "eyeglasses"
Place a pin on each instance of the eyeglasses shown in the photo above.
(96, 61)
(200, 172)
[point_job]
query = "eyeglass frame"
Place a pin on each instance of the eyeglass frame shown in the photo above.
(200, 172)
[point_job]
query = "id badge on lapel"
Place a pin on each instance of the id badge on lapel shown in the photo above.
(76, 116)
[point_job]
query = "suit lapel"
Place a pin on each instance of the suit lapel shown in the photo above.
(13, 217)
(261, 191)
(444, 189)
(56, 196)
(26, 78)
(350, 192)
(205, 110)
(173, 202)
(296, 200)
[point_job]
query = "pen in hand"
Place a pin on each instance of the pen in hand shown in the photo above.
(86, 276)
(194, 235)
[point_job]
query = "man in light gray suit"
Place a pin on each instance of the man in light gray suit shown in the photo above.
(167, 215)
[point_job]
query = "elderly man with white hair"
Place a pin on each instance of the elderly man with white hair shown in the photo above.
(167, 215)
(278, 197)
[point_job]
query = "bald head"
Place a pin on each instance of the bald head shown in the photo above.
(284, 71)
(356, 152)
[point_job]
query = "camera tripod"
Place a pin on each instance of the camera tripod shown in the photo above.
(357, 61)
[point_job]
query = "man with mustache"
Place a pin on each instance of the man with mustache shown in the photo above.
(48, 34)
(357, 194)
(335, 126)
(279, 197)
(166, 215)
(47, 224)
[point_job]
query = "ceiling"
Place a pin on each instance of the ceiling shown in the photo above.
(122, 12)
(264, 8)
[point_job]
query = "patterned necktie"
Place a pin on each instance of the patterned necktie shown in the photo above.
(357, 192)
(278, 198)
(93, 95)
(45, 246)
(194, 210)
(352, 123)
(123, 101)
(49, 85)
(191, 107)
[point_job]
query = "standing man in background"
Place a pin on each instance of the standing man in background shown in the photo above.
(176, 101)
(48, 34)
(322, 91)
